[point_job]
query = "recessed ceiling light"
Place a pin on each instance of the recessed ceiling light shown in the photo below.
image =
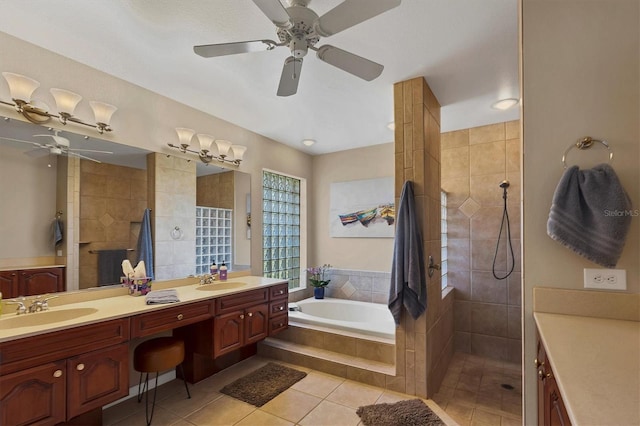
(391, 125)
(504, 104)
(308, 142)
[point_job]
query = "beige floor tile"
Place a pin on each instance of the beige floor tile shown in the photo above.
(464, 397)
(179, 404)
(160, 418)
(469, 382)
(223, 411)
(262, 418)
(354, 394)
(329, 413)
(389, 397)
(508, 421)
(318, 384)
(484, 417)
(291, 405)
(459, 411)
(116, 413)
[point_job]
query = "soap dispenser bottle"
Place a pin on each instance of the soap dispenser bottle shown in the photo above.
(213, 269)
(223, 272)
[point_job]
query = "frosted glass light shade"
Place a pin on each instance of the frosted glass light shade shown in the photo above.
(21, 87)
(184, 135)
(102, 111)
(205, 141)
(223, 147)
(238, 152)
(66, 101)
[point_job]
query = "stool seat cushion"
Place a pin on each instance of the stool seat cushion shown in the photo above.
(158, 354)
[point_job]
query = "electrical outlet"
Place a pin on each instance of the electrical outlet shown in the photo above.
(606, 279)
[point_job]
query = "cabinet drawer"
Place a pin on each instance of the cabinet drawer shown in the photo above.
(31, 351)
(278, 307)
(237, 301)
(170, 318)
(278, 323)
(279, 291)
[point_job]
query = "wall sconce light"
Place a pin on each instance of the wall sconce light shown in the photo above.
(227, 152)
(21, 89)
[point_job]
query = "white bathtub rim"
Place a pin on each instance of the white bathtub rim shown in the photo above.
(346, 333)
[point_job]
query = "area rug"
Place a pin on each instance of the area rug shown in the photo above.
(264, 384)
(412, 412)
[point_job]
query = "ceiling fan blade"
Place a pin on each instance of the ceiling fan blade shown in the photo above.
(350, 13)
(84, 157)
(349, 62)
(222, 49)
(20, 140)
(89, 150)
(290, 76)
(275, 12)
(38, 152)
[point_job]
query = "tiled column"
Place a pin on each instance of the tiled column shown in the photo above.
(424, 346)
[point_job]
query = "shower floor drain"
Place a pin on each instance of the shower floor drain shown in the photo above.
(507, 386)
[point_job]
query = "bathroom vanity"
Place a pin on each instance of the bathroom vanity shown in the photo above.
(64, 368)
(25, 281)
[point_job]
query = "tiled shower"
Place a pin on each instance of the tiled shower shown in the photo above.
(486, 310)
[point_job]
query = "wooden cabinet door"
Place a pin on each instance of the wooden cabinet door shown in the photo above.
(256, 325)
(40, 281)
(35, 395)
(228, 333)
(96, 379)
(9, 284)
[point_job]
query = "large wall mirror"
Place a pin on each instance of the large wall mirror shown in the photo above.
(42, 179)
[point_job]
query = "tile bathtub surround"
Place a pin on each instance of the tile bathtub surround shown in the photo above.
(318, 399)
(486, 310)
(364, 286)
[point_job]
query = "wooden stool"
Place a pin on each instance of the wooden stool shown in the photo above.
(156, 355)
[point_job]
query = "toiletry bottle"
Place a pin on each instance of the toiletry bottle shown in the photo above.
(213, 270)
(223, 272)
(0, 303)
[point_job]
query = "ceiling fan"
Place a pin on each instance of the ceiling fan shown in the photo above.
(59, 146)
(299, 28)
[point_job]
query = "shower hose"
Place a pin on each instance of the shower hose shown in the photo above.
(505, 220)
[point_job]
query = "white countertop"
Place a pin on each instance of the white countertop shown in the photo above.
(121, 304)
(596, 363)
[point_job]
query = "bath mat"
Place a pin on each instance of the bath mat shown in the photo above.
(412, 412)
(264, 384)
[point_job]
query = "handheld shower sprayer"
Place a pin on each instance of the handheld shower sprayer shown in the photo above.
(505, 219)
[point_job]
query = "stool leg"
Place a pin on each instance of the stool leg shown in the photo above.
(153, 405)
(141, 389)
(184, 378)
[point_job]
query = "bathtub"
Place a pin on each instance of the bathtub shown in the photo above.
(360, 318)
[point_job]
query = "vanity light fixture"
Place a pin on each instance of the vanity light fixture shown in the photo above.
(21, 88)
(505, 104)
(227, 152)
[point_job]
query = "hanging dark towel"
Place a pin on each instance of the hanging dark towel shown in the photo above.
(591, 214)
(408, 278)
(57, 231)
(110, 266)
(145, 245)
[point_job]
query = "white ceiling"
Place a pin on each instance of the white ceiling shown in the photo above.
(466, 49)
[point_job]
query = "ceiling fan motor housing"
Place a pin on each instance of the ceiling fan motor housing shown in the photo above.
(301, 35)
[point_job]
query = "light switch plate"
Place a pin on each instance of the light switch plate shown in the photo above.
(605, 279)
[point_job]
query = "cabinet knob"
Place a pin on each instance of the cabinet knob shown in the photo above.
(57, 373)
(180, 316)
(250, 314)
(537, 363)
(542, 375)
(241, 316)
(281, 292)
(281, 308)
(80, 367)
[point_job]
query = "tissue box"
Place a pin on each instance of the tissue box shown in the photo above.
(137, 286)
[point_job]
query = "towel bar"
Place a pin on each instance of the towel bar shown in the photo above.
(586, 143)
(98, 251)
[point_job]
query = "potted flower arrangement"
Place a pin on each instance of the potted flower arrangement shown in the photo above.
(317, 278)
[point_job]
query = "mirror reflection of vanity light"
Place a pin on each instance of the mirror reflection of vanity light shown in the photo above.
(176, 233)
(248, 216)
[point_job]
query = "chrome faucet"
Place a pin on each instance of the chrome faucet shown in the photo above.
(21, 309)
(39, 305)
(207, 279)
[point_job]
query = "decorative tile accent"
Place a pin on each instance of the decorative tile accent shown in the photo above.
(106, 219)
(348, 289)
(469, 207)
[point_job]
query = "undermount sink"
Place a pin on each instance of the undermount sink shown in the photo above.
(221, 286)
(43, 318)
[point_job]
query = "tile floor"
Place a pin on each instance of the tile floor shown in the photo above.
(318, 399)
(472, 393)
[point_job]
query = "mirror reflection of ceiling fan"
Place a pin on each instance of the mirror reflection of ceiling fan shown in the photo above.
(58, 145)
(299, 28)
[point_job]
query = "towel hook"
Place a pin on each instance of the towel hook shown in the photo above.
(586, 143)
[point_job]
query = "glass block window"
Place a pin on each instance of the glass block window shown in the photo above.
(281, 227)
(443, 238)
(213, 238)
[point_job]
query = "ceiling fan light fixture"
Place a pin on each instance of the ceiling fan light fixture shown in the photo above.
(505, 104)
(308, 142)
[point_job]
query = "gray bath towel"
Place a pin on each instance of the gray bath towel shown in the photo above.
(591, 214)
(161, 296)
(408, 283)
(110, 266)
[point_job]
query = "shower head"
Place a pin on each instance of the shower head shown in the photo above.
(504, 184)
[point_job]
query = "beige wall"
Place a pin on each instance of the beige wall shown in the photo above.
(487, 310)
(215, 190)
(367, 254)
(145, 119)
(580, 77)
